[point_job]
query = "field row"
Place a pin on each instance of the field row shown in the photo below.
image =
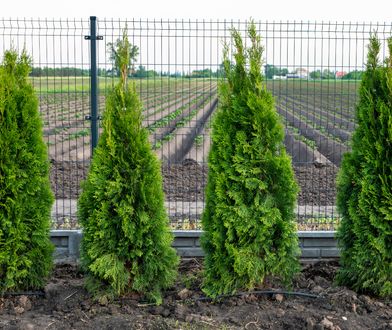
(178, 119)
(173, 112)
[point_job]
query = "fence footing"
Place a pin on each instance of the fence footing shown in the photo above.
(315, 245)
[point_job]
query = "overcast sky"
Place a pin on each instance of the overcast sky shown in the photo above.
(329, 10)
(181, 51)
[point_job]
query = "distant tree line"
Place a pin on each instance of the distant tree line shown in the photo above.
(271, 70)
(324, 74)
(355, 75)
(59, 72)
(141, 72)
(327, 74)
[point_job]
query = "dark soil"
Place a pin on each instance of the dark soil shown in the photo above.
(66, 177)
(186, 181)
(317, 184)
(64, 304)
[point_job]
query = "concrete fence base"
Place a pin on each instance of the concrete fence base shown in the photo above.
(313, 244)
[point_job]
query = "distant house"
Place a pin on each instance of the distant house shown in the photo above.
(340, 74)
(275, 77)
(302, 73)
(292, 76)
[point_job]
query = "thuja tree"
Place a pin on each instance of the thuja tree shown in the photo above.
(365, 184)
(126, 244)
(25, 195)
(248, 222)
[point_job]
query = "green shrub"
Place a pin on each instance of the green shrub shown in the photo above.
(126, 241)
(251, 192)
(364, 197)
(25, 195)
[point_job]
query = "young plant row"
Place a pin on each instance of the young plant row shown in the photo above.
(179, 123)
(309, 107)
(297, 136)
(166, 114)
(65, 107)
(332, 119)
(328, 146)
(176, 150)
(76, 131)
(326, 102)
(179, 97)
(323, 126)
(344, 94)
(202, 143)
(172, 121)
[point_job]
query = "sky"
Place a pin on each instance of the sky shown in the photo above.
(174, 50)
(275, 10)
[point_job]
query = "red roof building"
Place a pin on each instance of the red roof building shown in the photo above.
(340, 74)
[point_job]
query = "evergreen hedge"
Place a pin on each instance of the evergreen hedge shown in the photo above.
(126, 244)
(248, 222)
(25, 195)
(364, 197)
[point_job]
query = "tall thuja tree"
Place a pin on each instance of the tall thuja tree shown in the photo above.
(127, 242)
(25, 195)
(251, 192)
(365, 184)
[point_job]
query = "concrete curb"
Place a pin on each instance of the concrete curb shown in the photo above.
(314, 244)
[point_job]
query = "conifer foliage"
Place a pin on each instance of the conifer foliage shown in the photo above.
(126, 244)
(25, 195)
(251, 192)
(365, 184)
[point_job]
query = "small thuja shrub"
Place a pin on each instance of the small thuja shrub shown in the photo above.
(25, 195)
(251, 192)
(364, 197)
(126, 244)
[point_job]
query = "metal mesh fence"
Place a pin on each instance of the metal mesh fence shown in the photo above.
(313, 69)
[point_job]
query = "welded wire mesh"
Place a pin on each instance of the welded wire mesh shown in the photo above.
(312, 68)
(60, 75)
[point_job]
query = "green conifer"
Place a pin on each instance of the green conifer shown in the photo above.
(126, 242)
(364, 197)
(25, 195)
(251, 192)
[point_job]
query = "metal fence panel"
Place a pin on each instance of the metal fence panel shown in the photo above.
(312, 68)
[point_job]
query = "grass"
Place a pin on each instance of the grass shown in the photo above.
(318, 223)
(306, 224)
(51, 85)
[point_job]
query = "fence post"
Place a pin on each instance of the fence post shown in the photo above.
(93, 117)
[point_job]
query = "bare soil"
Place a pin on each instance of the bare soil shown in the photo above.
(186, 181)
(65, 304)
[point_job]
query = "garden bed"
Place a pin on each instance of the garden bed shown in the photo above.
(65, 304)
